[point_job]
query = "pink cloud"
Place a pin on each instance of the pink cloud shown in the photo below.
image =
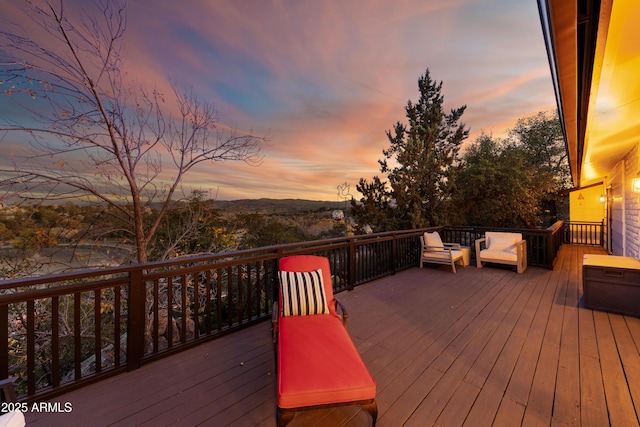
(325, 80)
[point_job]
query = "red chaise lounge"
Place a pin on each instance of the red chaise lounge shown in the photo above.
(317, 363)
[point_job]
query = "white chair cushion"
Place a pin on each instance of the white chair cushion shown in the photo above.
(433, 241)
(491, 255)
(504, 244)
(444, 255)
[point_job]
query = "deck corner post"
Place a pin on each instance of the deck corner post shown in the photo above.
(136, 323)
(4, 341)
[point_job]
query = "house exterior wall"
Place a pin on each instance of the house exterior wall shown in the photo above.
(585, 204)
(624, 221)
(632, 204)
(615, 199)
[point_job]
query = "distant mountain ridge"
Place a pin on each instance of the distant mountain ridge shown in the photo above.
(277, 206)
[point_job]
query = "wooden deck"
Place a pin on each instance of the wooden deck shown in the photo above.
(481, 347)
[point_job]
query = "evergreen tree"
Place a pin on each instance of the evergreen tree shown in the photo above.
(375, 211)
(95, 135)
(420, 163)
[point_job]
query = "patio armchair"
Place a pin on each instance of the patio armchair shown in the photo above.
(317, 363)
(437, 252)
(502, 248)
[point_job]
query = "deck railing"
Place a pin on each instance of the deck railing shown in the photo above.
(542, 244)
(584, 233)
(63, 331)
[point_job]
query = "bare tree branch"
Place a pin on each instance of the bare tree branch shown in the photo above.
(92, 135)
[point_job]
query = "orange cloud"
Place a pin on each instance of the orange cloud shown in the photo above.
(324, 80)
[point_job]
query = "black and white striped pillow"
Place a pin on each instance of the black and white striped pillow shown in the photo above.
(302, 293)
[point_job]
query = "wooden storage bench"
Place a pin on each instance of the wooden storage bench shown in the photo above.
(611, 283)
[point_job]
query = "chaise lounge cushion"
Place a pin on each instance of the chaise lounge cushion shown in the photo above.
(319, 364)
(303, 293)
(312, 263)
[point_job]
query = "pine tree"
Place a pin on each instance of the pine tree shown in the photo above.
(422, 159)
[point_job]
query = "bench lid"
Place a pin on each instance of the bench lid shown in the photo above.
(614, 261)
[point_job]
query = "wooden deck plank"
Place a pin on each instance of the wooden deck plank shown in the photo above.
(536, 314)
(593, 405)
(434, 402)
(508, 340)
(620, 406)
(481, 313)
(491, 340)
(509, 414)
(566, 406)
(420, 356)
(506, 328)
(446, 394)
(633, 323)
(409, 398)
(457, 409)
(539, 407)
(628, 352)
(418, 353)
(251, 372)
(484, 347)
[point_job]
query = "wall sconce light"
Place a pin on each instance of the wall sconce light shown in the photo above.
(603, 198)
(635, 185)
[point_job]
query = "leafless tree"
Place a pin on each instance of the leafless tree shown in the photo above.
(92, 134)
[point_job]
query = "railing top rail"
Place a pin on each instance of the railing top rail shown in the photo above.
(484, 229)
(584, 222)
(62, 290)
(556, 225)
(220, 259)
(67, 277)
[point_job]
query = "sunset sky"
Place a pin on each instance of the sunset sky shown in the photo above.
(324, 80)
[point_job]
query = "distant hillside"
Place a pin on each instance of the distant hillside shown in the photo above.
(277, 206)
